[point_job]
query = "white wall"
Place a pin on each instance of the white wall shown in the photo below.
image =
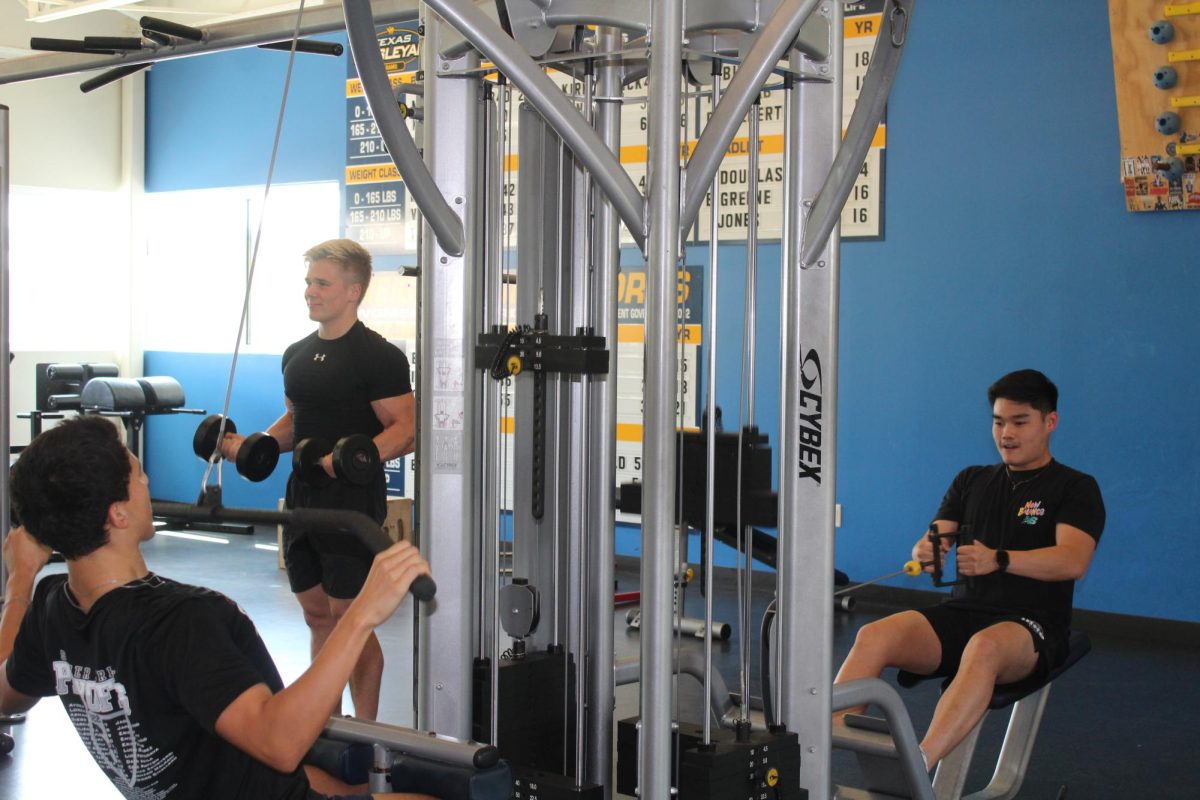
(62, 137)
(198, 248)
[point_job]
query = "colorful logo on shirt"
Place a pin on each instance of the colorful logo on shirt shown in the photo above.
(1030, 512)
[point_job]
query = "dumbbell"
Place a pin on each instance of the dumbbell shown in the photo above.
(355, 460)
(256, 458)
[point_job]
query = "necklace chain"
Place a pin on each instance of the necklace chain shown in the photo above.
(1017, 484)
(73, 594)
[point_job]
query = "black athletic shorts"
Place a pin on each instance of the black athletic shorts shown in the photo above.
(341, 576)
(955, 625)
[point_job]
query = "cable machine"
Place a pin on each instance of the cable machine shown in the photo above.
(526, 636)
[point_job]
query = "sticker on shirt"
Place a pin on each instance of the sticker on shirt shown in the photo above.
(1030, 512)
(98, 706)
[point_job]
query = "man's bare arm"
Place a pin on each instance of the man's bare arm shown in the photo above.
(24, 556)
(1067, 559)
(278, 729)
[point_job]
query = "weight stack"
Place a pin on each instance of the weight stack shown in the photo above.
(766, 766)
(531, 784)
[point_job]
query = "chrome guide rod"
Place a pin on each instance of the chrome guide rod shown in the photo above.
(662, 248)
(602, 441)
(788, 245)
(493, 417)
(710, 428)
(750, 359)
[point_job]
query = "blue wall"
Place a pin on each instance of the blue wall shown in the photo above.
(257, 401)
(210, 121)
(1007, 245)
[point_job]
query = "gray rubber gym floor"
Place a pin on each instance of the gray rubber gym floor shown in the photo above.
(1121, 724)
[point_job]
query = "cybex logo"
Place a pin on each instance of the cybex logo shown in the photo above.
(808, 457)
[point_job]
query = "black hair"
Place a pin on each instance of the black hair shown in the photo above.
(1026, 386)
(65, 481)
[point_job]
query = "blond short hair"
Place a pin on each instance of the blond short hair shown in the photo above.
(353, 257)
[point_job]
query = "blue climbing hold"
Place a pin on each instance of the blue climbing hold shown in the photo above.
(1161, 32)
(1166, 77)
(1167, 123)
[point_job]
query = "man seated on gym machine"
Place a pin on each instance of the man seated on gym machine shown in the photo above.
(1035, 525)
(342, 381)
(169, 686)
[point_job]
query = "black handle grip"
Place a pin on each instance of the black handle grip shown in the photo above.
(165, 26)
(423, 588)
(314, 46)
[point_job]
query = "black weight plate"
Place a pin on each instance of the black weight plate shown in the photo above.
(205, 440)
(257, 457)
(356, 459)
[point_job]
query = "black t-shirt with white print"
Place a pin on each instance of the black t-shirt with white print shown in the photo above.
(143, 676)
(1022, 518)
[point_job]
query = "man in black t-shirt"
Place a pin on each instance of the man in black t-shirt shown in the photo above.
(342, 379)
(169, 686)
(1036, 524)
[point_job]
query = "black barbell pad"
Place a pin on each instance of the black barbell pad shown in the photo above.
(257, 457)
(205, 440)
(356, 459)
(306, 461)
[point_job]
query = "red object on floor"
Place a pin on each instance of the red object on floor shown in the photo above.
(626, 598)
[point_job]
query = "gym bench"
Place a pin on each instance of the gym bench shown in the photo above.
(893, 765)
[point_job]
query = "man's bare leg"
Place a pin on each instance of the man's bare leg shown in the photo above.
(367, 675)
(318, 616)
(1002, 653)
(905, 640)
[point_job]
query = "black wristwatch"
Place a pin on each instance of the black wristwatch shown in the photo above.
(1002, 560)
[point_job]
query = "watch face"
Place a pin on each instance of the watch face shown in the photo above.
(1002, 559)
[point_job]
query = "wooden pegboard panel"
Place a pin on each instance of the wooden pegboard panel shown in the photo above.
(1136, 59)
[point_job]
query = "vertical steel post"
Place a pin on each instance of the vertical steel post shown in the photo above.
(808, 421)
(658, 442)
(602, 434)
(448, 382)
(5, 374)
